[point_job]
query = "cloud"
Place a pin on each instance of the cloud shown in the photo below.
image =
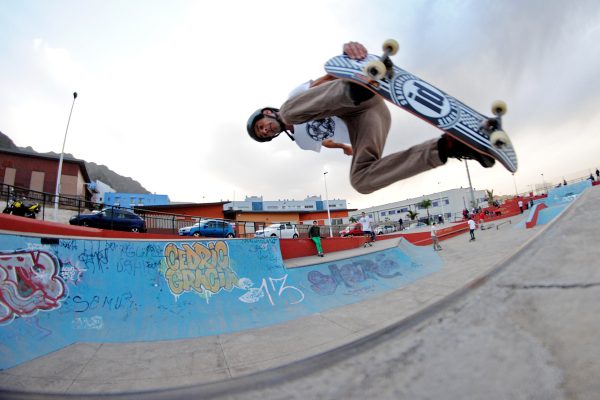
(165, 91)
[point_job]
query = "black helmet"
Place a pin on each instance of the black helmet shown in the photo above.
(256, 115)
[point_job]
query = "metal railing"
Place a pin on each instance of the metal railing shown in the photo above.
(156, 221)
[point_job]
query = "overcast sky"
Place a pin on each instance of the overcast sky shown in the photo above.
(165, 87)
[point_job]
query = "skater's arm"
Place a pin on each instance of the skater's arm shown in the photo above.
(330, 144)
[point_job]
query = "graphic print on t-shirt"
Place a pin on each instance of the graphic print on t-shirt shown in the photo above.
(321, 129)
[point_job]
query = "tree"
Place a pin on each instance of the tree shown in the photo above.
(412, 215)
(490, 197)
(426, 204)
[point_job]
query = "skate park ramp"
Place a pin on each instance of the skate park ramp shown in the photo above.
(59, 291)
(511, 315)
(559, 198)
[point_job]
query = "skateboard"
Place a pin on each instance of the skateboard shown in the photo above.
(412, 94)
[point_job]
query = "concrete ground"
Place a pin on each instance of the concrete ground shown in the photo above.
(526, 332)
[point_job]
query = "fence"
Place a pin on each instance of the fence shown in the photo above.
(156, 221)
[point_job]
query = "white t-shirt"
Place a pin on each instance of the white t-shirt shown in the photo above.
(309, 135)
(433, 230)
(366, 223)
(471, 224)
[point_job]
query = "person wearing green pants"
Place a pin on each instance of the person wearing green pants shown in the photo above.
(315, 234)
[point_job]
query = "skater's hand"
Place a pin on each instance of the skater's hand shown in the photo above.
(355, 50)
(330, 144)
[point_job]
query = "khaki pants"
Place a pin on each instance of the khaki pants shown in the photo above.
(368, 126)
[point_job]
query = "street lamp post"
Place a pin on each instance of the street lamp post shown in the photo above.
(60, 161)
(473, 204)
(543, 184)
(327, 204)
(442, 203)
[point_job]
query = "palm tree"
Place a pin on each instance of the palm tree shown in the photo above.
(426, 204)
(490, 197)
(412, 215)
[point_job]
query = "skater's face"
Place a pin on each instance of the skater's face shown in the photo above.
(267, 127)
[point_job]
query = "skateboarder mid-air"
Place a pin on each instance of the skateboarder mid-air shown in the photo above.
(363, 119)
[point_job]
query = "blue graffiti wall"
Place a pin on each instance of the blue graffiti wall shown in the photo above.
(56, 292)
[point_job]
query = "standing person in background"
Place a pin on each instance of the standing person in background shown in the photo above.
(366, 222)
(521, 205)
(472, 227)
(434, 238)
(315, 234)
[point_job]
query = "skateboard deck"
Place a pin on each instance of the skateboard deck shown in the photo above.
(429, 103)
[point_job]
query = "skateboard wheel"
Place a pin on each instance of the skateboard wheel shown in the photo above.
(391, 46)
(375, 70)
(499, 107)
(499, 139)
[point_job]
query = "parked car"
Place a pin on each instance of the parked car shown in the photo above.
(209, 228)
(381, 229)
(111, 218)
(281, 230)
(415, 225)
(352, 230)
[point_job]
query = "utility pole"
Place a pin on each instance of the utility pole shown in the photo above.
(60, 161)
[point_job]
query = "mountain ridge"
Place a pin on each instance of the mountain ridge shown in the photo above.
(120, 183)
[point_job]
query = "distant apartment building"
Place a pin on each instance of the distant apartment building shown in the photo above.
(310, 203)
(132, 200)
(449, 203)
(312, 207)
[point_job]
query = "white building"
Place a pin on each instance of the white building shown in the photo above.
(99, 189)
(310, 203)
(449, 203)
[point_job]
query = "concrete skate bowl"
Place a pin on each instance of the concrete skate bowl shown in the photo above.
(63, 298)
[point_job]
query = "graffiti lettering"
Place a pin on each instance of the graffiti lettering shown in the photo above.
(148, 251)
(29, 282)
(95, 255)
(351, 274)
(70, 273)
(254, 295)
(111, 303)
(95, 322)
(199, 268)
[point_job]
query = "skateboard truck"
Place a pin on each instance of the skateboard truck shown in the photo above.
(384, 67)
(493, 126)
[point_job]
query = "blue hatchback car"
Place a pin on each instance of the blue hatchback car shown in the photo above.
(209, 228)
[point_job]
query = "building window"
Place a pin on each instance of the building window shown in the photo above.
(435, 203)
(392, 212)
(9, 176)
(37, 181)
